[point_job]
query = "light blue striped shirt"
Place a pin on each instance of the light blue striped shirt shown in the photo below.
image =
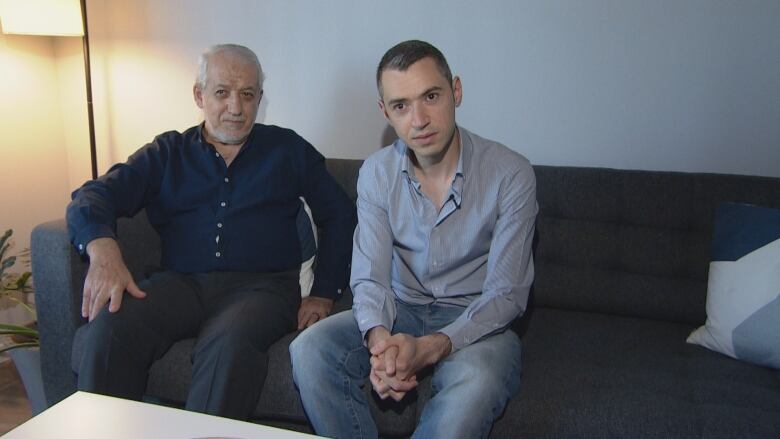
(474, 253)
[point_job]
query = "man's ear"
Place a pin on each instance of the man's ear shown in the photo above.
(197, 93)
(457, 90)
(259, 97)
(383, 110)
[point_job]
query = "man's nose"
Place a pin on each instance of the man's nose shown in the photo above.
(419, 116)
(234, 104)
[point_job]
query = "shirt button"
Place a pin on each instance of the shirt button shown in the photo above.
(223, 204)
(219, 225)
(217, 254)
(216, 154)
(81, 246)
(227, 180)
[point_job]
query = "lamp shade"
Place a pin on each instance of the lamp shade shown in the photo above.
(41, 17)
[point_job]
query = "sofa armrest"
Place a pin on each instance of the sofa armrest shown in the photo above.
(58, 273)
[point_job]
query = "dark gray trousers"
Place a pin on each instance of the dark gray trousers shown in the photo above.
(235, 317)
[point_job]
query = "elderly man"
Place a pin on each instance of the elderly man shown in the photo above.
(441, 265)
(224, 197)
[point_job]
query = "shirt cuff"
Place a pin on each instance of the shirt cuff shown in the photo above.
(327, 290)
(463, 331)
(369, 317)
(90, 233)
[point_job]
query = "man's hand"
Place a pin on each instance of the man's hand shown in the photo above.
(312, 310)
(383, 367)
(414, 353)
(107, 279)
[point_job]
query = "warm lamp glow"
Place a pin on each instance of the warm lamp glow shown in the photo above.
(41, 17)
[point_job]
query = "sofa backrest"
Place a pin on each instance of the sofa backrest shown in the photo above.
(633, 243)
(345, 172)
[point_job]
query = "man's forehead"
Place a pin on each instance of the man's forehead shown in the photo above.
(421, 76)
(240, 75)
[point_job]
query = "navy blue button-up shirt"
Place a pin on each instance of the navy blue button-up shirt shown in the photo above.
(212, 217)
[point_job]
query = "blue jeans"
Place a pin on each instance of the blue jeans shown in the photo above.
(470, 387)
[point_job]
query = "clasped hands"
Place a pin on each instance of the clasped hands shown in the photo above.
(396, 359)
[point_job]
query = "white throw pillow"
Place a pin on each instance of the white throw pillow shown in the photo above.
(307, 267)
(743, 290)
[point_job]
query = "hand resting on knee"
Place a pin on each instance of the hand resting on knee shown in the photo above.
(107, 279)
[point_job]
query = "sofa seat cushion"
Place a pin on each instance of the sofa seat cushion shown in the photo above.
(597, 375)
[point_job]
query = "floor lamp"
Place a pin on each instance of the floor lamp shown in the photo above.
(54, 18)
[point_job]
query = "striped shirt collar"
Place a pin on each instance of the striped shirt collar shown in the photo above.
(464, 162)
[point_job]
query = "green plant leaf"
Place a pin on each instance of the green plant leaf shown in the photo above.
(5, 237)
(8, 263)
(30, 344)
(22, 281)
(25, 306)
(6, 329)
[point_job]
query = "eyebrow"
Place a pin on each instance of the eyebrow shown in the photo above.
(425, 93)
(251, 87)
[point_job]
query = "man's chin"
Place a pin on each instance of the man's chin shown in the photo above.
(231, 139)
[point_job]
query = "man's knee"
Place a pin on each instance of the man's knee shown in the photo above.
(486, 368)
(120, 327)
(323, 345)
(309, 348)
(232, 346)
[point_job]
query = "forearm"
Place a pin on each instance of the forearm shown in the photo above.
(335, 218)
(90, 215)
(434, 347)
(486, 315)
(335, 249)
(375, 335)
(101, 250)
(510, 268)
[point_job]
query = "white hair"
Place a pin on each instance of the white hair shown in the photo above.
(236, 49)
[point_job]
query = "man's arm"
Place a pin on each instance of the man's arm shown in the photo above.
(372, 254)
(374, 301)
(510, 270)
(91, 218)
(334, 215)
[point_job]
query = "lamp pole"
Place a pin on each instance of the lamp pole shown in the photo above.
(88, 76)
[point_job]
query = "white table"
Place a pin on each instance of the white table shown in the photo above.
(86, 415)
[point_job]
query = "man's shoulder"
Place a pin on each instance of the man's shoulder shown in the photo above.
(174, 138)
(380, 171)
(384, 161)
(276, 132)
(495, 157)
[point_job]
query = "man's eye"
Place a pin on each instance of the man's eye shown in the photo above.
(220, 92)
(432, 96)
(248, 94)
(398, 107)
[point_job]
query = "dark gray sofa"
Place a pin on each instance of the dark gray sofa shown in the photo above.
(621, 277)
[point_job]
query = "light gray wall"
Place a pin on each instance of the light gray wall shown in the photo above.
(688, 85)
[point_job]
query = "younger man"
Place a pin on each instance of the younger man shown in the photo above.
(441, 264)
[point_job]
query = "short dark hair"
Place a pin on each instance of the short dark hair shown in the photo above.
(403, 55)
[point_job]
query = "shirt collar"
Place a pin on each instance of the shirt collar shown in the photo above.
(202, 138)
(464, 162)
(199, 133)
